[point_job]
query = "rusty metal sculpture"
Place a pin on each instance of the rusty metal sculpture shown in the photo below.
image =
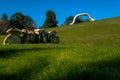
(24, 36)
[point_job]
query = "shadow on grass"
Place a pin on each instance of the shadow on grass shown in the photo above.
(104, 70)
(6, 53)
(26, 72)
(12, 52)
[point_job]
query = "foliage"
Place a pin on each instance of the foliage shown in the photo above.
(4, 23)
(5, 16)
(70, 19)
(50, 20)
(21, 21)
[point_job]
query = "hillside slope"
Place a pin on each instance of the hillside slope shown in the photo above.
(98, 33)
(87, 51)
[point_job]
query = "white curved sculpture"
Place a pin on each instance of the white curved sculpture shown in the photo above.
(82, 14)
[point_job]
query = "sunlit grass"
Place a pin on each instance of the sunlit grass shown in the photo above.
(61, 63)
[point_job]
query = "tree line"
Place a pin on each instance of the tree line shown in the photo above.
(19, 20)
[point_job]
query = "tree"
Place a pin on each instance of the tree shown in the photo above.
(50, 20)
(18, 20)
(5, 16)
(4, 23)
(29, 23)
(70, 19)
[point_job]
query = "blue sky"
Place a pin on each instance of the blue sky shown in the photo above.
(98, 9)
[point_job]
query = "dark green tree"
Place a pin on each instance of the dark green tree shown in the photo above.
(70, 19)
(50, 20)
(5, 16)
(29, 23)
(18, 20)
(4, 23)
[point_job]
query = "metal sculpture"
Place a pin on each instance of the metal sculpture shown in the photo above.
(24, 36)
(82, 14)
(12, 37)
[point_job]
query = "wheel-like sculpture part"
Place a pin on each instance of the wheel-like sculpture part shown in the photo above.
(12, 39)
(55, 39)
(44, 39)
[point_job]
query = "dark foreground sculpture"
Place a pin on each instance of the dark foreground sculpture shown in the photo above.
(17, 36)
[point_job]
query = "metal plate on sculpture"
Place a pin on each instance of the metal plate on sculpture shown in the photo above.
(13, 40)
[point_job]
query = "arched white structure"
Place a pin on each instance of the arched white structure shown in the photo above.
(82, 14)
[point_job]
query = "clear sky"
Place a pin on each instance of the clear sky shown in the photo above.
(36, 9)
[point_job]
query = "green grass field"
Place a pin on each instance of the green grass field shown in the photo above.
(87, 51)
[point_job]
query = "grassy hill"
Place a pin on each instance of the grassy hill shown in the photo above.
(87, 51)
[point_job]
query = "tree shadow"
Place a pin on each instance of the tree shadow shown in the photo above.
(6, 53)
(12, 52)
(104, 70)
(26, 72)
